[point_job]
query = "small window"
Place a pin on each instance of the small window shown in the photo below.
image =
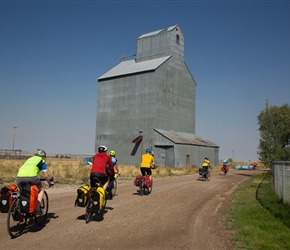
(177, 39)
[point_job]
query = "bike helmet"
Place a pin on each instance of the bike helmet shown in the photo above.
(148, 150)
(112, 153)
(40, 152)
(102, 148)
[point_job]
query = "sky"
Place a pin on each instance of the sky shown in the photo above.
(52, 52)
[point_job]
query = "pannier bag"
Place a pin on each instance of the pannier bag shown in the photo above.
(200, 171)
(98, 198)
(147, 181)
(137, 180)
(6, 198)
(28, 198)
(82, 196)
(227, 169)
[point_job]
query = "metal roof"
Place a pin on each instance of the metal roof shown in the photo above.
(185, 138)
(157, 32)
(131, 67)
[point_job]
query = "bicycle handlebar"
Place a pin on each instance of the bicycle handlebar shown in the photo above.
(51, 181)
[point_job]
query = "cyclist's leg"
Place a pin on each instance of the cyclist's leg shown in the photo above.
(143, 171)
(149, 172)
(104, 179)
(106, 183)
(40, 195)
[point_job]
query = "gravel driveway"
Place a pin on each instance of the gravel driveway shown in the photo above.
(180, 213)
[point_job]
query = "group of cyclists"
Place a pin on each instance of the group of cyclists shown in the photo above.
(104, 167)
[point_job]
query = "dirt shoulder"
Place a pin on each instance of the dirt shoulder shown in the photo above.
(180, 213)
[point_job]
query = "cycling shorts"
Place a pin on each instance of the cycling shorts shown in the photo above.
(33, 181)
(102, 177)
(146, 170)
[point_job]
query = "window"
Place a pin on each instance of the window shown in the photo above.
(177, 39)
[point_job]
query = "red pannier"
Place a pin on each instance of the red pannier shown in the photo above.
(147, 181)
(137, 180)
(227, 169)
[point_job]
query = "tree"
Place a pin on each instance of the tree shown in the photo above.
(274, 130)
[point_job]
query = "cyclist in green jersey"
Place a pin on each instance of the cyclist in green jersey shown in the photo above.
(29, 171)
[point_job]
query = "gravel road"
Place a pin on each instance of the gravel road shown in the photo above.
(180, 213)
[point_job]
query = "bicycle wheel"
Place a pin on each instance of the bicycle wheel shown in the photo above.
(16, 221)
(208, 176)
(40, 218)
(141, 188)
(114, 188)
(89, 211)
(150, 188)
(203, 175)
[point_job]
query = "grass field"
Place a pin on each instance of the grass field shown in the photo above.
(66, 170)
(259, 219)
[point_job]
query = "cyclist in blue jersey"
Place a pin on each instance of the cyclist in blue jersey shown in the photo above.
(112, 154)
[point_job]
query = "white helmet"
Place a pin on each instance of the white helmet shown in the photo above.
(40, 152)
(102, 148)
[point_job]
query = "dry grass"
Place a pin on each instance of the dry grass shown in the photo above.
(71, 171)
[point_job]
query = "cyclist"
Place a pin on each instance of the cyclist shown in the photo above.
(100, 161)
(29, 171)
(146, 163)
(112, 154)
(225, 165)
(254, 165)
(206, 165)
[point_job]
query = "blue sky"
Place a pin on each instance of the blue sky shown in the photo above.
(52, 52)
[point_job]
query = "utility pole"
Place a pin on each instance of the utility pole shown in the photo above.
(14, 135)
(233, 154)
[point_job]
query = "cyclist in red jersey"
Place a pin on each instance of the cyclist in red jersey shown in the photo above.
(100, 161)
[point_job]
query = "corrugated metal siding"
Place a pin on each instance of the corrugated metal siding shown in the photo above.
(185, 138)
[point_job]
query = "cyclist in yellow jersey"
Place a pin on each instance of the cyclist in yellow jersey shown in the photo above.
(206, 165)
(146, 163)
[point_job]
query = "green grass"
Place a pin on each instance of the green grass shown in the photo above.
(259, 219)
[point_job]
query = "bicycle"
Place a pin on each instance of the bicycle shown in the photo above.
(93, 207)
(205, 176)
(144, 188)
(17, 220)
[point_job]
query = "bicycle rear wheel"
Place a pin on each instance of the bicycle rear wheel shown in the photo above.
(89, 211)
(141, 188)
(16, 221)
(40, 218)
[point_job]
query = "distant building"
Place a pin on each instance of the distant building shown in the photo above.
(150, 102)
